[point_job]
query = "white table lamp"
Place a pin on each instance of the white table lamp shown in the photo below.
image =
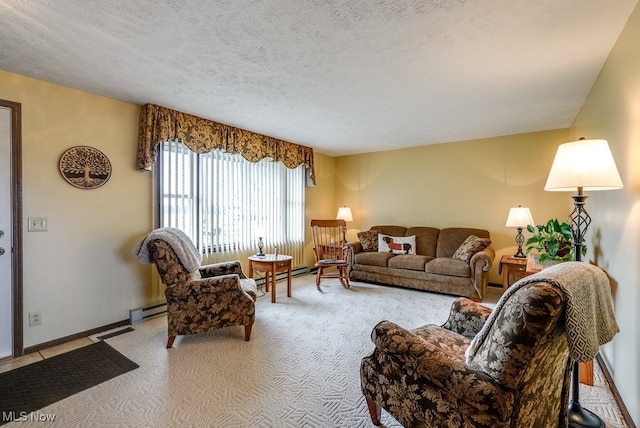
(519, 217)
(344, 213)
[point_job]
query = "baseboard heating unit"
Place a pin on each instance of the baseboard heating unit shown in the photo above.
(141, 314)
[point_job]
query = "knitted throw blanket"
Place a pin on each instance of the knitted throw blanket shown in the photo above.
(590, 320)
(177, 240)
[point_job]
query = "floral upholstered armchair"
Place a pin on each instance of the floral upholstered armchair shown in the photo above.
(509, 367)
(199, 298)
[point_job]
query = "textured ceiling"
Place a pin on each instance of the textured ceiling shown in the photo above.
(343, 77)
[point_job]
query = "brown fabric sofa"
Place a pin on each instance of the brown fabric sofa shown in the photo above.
(432, 268)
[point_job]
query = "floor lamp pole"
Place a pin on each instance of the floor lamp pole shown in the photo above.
(580, 221)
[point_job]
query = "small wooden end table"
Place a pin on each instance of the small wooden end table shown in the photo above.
(271, 265)
(515, 267)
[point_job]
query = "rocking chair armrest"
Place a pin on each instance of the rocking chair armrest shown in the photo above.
(338, 253)
(346, 250)
(223, 268)
(466, 317)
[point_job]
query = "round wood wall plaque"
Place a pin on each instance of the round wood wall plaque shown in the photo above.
(85, 167)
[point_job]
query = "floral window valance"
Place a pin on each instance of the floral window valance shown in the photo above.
(158, 124)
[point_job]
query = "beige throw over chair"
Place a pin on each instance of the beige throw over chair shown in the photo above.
(199, 298)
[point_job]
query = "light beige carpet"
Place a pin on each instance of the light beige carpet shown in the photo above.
(300, 369)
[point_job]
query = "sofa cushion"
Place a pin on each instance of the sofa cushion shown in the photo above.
(409, 261)
(369, 240)
(397, 244)
(470, 246)
(451, 238)
(426, 239)
(448, 266)
(373, 259)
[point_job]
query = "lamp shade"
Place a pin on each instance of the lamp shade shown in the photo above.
(344, 213)
(519, 217)
(587, 164)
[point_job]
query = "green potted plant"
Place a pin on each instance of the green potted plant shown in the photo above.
(553, 241)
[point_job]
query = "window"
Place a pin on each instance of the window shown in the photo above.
(221, 200)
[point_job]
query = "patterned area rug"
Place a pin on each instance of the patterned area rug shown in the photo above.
(300, 369)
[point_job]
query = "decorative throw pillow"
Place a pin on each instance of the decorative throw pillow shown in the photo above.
(470, 246)
(397, 244)
(369, 240)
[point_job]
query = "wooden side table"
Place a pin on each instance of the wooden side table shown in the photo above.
(271, 265)
(515, 267)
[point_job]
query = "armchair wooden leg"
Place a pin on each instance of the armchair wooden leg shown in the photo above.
(374, 411)
(318, 276)
(170, 341)
(247, 331)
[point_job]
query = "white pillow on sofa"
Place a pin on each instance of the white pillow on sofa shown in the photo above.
(396, 244)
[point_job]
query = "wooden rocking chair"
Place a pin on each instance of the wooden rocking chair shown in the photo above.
(330, 249)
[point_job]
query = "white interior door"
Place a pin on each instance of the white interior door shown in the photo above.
(6, 299)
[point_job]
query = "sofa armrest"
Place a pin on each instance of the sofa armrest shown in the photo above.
(480, 264)
(224, 268)
(355, 246)
(420, 358)
(483, 259)
(352, 249)
(466, 317)
(196, 289)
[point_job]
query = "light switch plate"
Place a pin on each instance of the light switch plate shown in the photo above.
(38, 224)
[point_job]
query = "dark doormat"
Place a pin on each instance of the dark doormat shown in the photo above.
(32, 387)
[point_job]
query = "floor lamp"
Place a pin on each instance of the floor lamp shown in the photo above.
(583, 165)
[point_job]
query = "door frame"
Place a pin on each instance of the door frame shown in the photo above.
(16, 224)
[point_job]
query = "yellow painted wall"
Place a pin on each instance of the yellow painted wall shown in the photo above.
(81, 273)
(461, 184)
(612, 112)
(320, 202)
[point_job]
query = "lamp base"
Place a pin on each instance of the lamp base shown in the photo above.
(583, 418)
(519, 242)
(260, 245)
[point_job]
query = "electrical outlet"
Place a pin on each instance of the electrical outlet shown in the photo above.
(35, 318)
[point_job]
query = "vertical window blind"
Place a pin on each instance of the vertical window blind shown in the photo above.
(222, 201)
